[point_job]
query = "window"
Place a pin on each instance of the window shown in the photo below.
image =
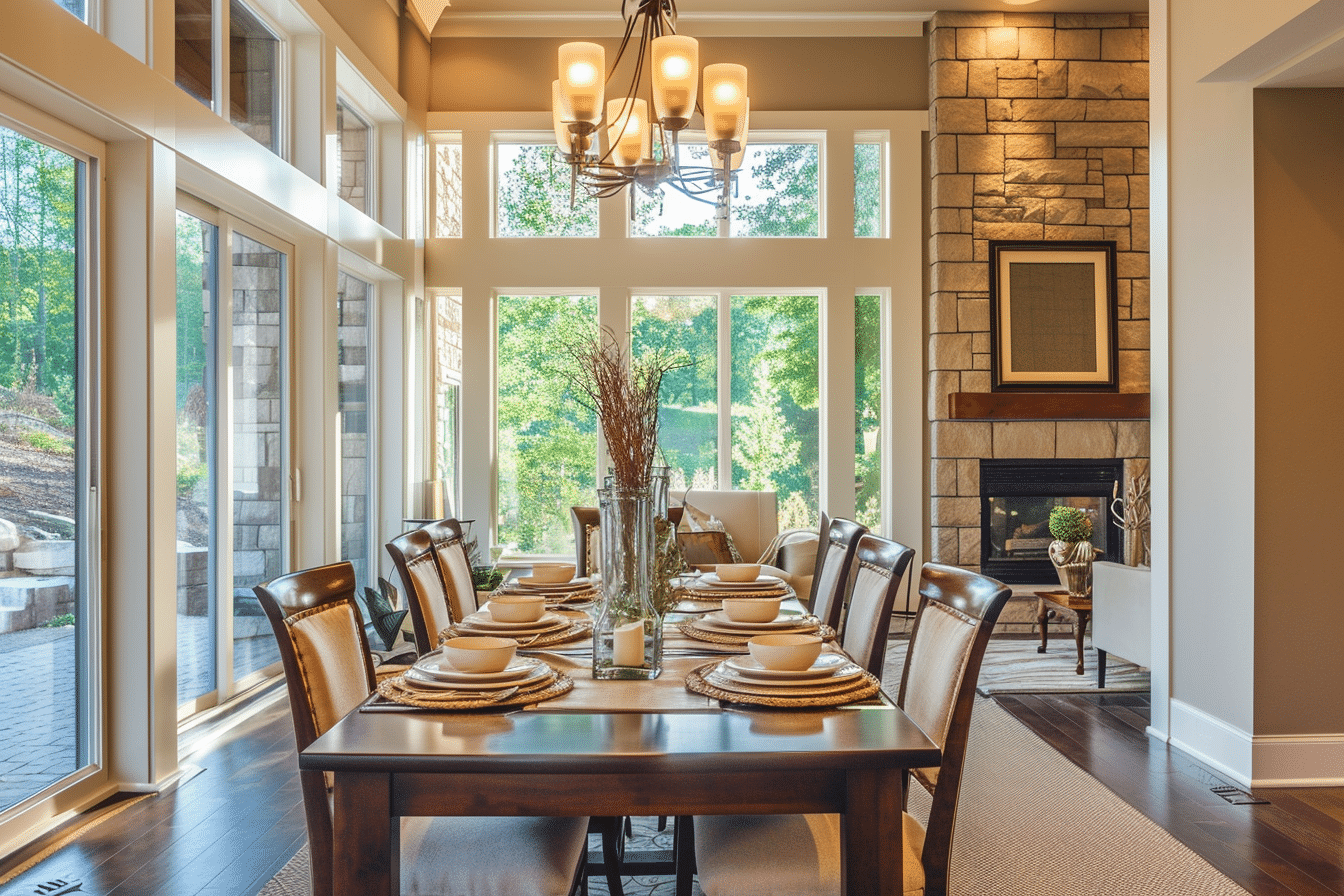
(46, 629)
(254, 77)
(447, 379)
(532, 194)
(868, 411)
(447, 213)
(546, 440)
(194, 31)
(76, 8)
(354, 157)
(353, 341)
(869, 185)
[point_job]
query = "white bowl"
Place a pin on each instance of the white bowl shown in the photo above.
(793, 653)
(552, 573)
(738, 572)
(751, 609)
(516, 607)
(479, 654)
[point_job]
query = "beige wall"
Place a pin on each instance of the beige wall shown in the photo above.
(786, 74)
(1299, 420)
(372, 25)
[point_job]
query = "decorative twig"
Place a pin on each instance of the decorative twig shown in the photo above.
(1134, 513)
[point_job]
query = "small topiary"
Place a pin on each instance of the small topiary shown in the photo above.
(1070, 524)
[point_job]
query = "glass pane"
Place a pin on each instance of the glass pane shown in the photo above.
(868, 411)
(258, 477)
(352, 157)
(194, 30)
(254, 89)
(775, 409)
(547, 440)
(77, 8)
(688, 428)
(447, 395)
(532, 196)
(868, 189)
(196, 599)
(352, 353)
(778, 191)
(41, 637)
(448, 189)
(672, 212)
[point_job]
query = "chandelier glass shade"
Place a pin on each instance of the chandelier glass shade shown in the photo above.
(613, 143)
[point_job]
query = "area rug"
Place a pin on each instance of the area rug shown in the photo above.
(1012, 666)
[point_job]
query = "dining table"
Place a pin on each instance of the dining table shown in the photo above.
(623, 747)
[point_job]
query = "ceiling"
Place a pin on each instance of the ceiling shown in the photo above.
(570, 18)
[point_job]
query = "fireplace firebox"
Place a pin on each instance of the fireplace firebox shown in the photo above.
(1015, 501)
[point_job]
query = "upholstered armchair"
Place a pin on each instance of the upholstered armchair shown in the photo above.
(751, 519)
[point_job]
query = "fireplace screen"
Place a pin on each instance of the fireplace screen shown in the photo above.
(1016, 498)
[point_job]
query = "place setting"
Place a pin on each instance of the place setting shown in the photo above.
(741, 618)
(784, 670)
(556, 583)
(470, 673)
(525, 618)
(735, 580)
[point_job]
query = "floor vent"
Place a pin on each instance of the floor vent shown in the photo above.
(1238, 797)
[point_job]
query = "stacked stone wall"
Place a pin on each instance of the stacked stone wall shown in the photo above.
(1039, 131)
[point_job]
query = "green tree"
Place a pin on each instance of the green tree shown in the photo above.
(763, 446)
(534, 194)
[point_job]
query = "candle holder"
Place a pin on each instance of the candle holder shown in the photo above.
(628, 633)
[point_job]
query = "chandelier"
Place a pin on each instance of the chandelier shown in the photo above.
(613, 143)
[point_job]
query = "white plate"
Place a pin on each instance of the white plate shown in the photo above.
(482, 621)
(525, 583)
(719, 620)
(828, 667)
(417, 679)
(437, 666)
(762, 581)
(729, 680)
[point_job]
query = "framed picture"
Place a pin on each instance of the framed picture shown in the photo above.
(1052, 316)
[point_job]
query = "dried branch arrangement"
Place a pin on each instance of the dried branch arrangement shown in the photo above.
(623, 392)
(1133, 513)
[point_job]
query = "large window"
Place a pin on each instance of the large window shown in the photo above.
(868, 411)
(547, 440)
(45, 623)
(353, 341)
(532, 194)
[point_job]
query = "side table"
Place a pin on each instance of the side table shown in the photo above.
(1081, 608)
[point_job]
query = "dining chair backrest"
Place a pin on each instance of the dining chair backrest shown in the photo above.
(879, 570)
(450, 552)
(426, 597)
(840, 538)
(585, 520)
(956, 615)
(328, 672)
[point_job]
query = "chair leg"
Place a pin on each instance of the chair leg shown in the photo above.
(613, 849)
(683, 853)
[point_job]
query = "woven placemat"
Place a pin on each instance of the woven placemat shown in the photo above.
(575, 632)
(865, 687)
(702, 596)
(691, 630)
(396, 690)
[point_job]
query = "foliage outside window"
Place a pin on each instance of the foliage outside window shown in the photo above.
(868, 189)
(532, 195)
(868, 411)
(447, 337)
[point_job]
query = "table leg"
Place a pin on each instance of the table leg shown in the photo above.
(366, 836)
(1042, 619)
(1101, 669)
(1079, 629)
(869, 864)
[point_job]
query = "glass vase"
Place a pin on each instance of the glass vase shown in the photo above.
(628, 633)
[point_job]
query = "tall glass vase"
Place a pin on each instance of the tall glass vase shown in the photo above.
(628, 633)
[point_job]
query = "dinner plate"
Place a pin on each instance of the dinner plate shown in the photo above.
(415, 678)
(727, 679)
(828, 667)
(482, 621)
(525, 583)
(719, 621)
(762, 581)
(437, 666)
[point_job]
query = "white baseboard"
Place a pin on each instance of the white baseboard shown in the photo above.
(1267, 760)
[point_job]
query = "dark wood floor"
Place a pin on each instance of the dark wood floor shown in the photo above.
(1292, 845)
(227, 830)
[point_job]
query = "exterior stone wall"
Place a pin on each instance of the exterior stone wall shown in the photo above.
(1039, 131)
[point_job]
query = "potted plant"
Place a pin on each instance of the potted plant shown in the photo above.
(1071, 552)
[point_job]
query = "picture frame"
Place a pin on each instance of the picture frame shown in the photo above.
(1052, 316)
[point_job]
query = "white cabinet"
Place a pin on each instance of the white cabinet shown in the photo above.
(1122, 610)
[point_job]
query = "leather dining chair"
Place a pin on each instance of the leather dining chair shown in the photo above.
(764, 855)
(879, 570)
(450, 552)
(426, 597)
(328, 672)
(834, 558)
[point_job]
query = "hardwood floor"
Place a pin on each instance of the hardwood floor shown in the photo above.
(1292, 845)
(228, 829)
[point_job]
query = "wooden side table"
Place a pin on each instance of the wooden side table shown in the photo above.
(1081, 608)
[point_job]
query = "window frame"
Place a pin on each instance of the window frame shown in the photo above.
(371, 154)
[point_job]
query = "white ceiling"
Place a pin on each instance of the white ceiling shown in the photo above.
(569, 18)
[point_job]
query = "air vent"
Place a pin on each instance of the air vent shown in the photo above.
(1238, 797)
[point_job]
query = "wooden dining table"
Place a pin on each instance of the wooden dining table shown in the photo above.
(621, 748)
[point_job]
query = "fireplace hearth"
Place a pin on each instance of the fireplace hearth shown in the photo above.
(1015, 501)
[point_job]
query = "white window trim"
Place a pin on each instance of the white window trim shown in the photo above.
(283, 86)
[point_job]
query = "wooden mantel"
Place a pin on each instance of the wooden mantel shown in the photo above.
(1047, 405)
